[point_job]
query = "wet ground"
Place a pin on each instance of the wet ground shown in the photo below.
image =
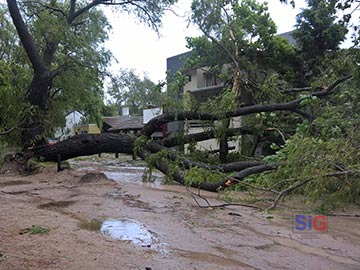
(93, 222)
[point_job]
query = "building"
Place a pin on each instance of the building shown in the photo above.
(86, 129)
(74, 126)
(289, 37)
(201, 85)
(130, 124)
(72, 118)
(123, 123)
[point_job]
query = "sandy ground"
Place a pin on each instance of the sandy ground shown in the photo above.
(188, 237)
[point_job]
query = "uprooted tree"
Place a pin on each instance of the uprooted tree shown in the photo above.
(307, 123)
(159, 153)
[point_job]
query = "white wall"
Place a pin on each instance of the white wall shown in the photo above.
(150, 114)
(71, 120)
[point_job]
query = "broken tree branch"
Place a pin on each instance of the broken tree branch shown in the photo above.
(293, 106)
(208, 205)
(288, 190)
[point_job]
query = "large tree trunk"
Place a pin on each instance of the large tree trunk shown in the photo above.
(90, 144)
(122, 143)
(223, 142)
(33, 126)
(86, 144)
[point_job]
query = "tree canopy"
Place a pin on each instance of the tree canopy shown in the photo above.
(128, 89)
(65, 57)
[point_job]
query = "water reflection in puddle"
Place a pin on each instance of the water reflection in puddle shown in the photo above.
(132, 231)
(120, 173)
(124, 176)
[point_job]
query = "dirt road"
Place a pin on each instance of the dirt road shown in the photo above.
(73, 206)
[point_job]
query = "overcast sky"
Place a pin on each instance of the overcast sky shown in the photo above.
(137, 46)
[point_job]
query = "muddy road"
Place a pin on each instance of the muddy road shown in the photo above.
(93, 222)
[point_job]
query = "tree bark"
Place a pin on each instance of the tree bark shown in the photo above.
(86, 144)
(121, 143)
(33, 128)
(223, 142)
(203, 136)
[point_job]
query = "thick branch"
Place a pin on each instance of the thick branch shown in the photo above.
(240, 176)
(203, 136)
(74, 14)
(154, 147)
(25, 37)
(293, 106)
(86, 144)
(296, 90)
(72, 7)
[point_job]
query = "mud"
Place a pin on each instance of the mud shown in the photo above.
(187, 237)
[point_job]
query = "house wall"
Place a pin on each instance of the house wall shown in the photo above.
(86, 129)
(71, 119)
(193, 80)
(211, 144)
(150, 114)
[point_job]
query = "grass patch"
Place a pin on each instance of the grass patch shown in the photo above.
(37, 229)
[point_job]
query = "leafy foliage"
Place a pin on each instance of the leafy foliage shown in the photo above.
(321, 149)
(64, 45)
(14, 76)
(237, 33)
(319, 31)
(155, 159)
(326, 150)
(198, 175)
(129, 90)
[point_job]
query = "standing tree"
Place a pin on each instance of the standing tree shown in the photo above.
(129, 90)
(48, 54)
(14, 76)
(319, 32)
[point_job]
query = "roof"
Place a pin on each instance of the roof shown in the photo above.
(71, 111)
(123, 122)
(86, 125)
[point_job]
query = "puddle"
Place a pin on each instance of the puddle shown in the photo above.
(132, 231)
(131, 177)
(122, 173)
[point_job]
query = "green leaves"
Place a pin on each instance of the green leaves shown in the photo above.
(319, 30)
(128, 89)
(196, 175)
(238, 28)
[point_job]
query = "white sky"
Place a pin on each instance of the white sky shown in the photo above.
(137, 46)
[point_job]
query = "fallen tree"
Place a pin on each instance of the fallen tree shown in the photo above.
(163, 154)
(174, 163)
(257, 86)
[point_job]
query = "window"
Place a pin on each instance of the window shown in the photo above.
(210, 79)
